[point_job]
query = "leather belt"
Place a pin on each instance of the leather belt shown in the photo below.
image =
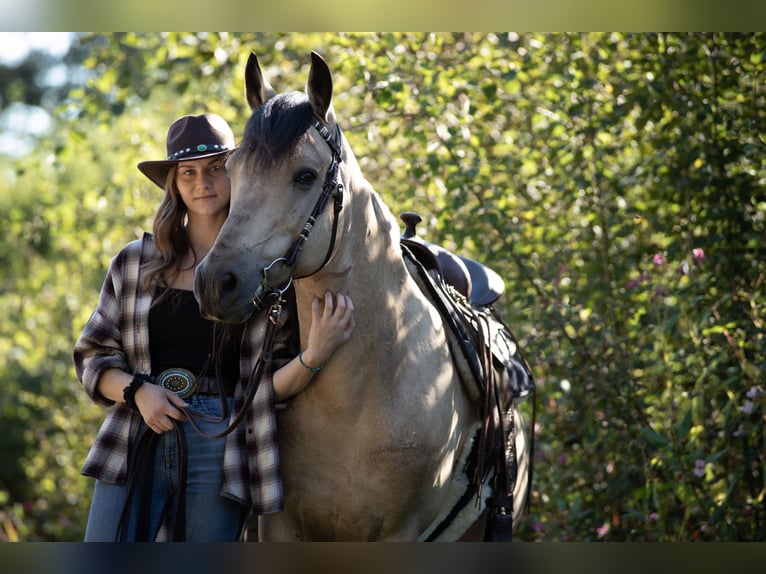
(209, 386)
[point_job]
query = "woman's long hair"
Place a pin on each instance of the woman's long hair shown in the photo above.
(171, 239)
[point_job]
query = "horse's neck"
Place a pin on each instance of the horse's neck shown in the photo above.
(367, 263)
(376, 366)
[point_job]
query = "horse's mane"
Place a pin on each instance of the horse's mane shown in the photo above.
(275, 128)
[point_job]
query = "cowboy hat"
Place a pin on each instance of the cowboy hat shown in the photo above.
(190, 138)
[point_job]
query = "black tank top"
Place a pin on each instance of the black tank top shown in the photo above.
(180, 337)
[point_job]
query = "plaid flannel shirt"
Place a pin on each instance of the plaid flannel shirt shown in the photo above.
(117, 336)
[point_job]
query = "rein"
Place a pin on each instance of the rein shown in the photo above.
(141, 468)
(331, 187)
(264, 361)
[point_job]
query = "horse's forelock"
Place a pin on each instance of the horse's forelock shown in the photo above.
(276, 128)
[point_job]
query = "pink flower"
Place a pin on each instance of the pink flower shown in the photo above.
(659, 259)
(603, 530)
(653, 517)
(699, 468)
(698, 254)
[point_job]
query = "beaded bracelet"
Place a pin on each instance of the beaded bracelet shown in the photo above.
(129, 392)
(312, 369)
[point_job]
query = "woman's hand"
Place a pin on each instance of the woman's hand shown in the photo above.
(159, 407)
(332, 323)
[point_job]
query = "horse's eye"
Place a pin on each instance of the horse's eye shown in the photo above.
(306, 177)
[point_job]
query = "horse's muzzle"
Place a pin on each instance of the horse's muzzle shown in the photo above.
(220, 296)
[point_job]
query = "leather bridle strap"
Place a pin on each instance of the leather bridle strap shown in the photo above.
(330, 188)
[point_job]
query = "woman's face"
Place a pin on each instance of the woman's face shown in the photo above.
(204, 186)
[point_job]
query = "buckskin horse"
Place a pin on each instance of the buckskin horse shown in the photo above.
(379, 445)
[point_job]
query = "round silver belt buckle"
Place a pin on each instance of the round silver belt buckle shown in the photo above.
(179, 381)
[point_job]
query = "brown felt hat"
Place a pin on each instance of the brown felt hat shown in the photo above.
(190, 137)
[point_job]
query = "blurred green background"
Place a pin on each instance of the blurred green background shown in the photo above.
(339, 15)
(615, 181)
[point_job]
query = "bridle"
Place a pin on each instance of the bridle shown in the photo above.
(267, 294)
(273, 295)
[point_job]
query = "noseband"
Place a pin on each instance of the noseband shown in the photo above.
(269, 294)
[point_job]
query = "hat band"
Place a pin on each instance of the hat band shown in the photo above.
(200, 148)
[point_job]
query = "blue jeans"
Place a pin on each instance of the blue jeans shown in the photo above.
(209, 516)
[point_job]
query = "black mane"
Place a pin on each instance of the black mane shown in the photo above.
(275, 128)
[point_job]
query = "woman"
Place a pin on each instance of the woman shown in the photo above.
(146, 342)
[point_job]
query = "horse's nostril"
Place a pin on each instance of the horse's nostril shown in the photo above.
(229, 283)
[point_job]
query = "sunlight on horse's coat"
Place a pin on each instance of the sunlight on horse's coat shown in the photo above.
(448, 463)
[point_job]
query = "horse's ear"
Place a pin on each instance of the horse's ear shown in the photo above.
(257, 89)
(319, 87)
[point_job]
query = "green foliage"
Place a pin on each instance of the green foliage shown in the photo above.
(614, 180)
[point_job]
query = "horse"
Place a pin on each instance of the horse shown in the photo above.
(376, 447)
